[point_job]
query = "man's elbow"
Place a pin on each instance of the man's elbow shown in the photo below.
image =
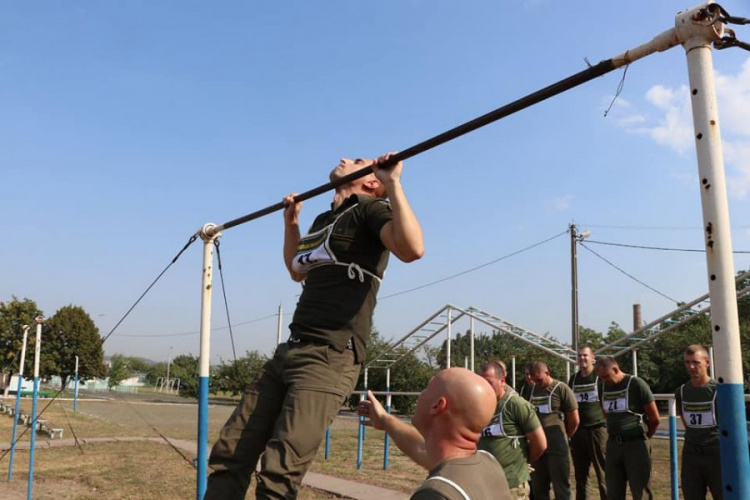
(411, 253)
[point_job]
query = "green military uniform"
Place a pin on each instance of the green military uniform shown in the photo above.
(552, 403)
(628, 456)
(701, 458)
(588, 444)
(505, 439)
(284, 412)
(475, 477)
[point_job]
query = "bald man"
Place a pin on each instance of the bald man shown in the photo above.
(447, 423)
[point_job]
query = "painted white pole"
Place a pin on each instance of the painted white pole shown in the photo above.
(513, 370)
(634, 354)
(37, 352)
(280, 325)
(448, 343)
(75, 388)
(567, 370)
(208, 235)
(697, 28)
(711, 358)
(471, 329)
(26, 329)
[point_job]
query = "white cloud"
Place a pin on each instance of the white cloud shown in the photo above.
(562, 203)
(674, 126)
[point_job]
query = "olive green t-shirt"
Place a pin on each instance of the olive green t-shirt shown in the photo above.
(552, 403)
(479, 476)
(587, 395)
(624, 404)
(698, 408)
(337, 303)
(505, 437)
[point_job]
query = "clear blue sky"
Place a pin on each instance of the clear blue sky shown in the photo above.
(125, 126)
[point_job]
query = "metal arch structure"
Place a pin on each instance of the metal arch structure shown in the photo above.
(442, 321)
(666, 323)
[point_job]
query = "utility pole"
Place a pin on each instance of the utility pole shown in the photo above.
(574, 239)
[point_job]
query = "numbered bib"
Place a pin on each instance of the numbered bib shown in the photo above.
(586, 393)
(698, 415)
(493, 430)
(615, 402)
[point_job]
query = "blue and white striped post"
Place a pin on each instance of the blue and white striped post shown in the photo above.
(37, 351)
(208, 234)
(386, 444)
(75, 388)
(26, 329)
(697, 29)
(361, 433)
(673, 474)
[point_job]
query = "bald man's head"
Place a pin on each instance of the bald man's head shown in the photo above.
(459, 395)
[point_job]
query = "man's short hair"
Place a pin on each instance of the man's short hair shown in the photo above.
(495, 367)
(695, 349)
(538, 367)
(607, 362)
(586, 346)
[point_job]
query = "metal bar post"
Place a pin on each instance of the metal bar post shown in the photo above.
(208, 235)
(280, 325)
(26, 329)
(711, 358)
(75, 388)
(513, 370)
(473, 337)
(328, 443)
(673, 475)
(634, 353)
(361, 433)
(573, 287)
(37, 353)
(386, 440)
(448, 343)
(697, 28)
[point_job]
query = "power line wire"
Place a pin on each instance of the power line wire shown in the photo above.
(630, 275)
(644, 247)
(474, 268)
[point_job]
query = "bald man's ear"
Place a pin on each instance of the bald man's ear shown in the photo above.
(439, 406)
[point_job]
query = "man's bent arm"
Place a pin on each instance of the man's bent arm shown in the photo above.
(291, 235)
(571, 422)
(537, 443)
(653, 417)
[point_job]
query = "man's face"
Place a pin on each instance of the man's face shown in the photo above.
(527, 376)
(497, 383)
(541, 379)
(696, 365)
(420, 419)
(607, 375)
(585, 359)
(346, 166)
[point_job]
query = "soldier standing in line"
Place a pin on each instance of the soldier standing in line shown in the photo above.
(696, 402)
(588, 444)
(514, 436)
(557, 409)
(632, 419)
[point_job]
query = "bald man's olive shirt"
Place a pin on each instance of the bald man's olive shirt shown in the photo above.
(476, 477)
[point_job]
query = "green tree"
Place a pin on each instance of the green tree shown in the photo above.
(588, 336)
(233, 377)
(69, 333)
(119, 370)
(13, 316)
(186, 368)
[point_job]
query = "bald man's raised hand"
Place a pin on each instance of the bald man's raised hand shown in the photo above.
(372, 409)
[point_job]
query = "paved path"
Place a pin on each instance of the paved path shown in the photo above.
(335, 485)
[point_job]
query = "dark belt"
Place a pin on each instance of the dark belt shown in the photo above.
(595, 426)
(295, 341)
(625, 439)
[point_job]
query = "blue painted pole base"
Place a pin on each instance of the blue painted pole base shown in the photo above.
(735, 459)
(202, 469)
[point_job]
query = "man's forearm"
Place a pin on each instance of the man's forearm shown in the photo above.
(291, 240)
(408, 439)
(407, 232)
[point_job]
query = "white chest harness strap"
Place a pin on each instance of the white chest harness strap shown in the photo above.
(452, 483)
